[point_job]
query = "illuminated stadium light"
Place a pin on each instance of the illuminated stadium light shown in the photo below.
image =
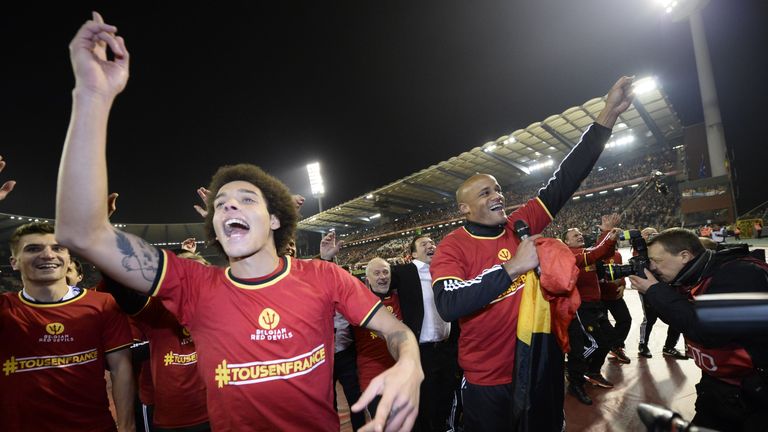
(634, 185)
(490, 147)
(540, 165)
(576, 197)
(644, 85)
(589, 195)
(618, 189)
(369, 196)
(509, 140)
(602, 192)
(620, 141)
(376, 216)
(315, 179)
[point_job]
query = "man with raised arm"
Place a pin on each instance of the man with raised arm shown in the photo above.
(478, 271)
(264, 325)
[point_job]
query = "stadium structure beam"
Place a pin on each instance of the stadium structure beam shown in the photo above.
(520, 167)
(434, 190)
(648, 120)
(452, 173)
(402, 199)
(558, 136)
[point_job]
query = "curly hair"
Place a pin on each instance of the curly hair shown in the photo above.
(28, 229)
(278, 199)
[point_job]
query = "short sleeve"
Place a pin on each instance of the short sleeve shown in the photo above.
(178, 285)
(116, 332)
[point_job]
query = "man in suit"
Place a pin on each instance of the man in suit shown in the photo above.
(437, 338)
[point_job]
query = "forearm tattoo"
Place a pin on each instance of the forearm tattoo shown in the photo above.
(138, 255)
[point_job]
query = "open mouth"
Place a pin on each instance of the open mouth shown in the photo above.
(497, 207)
(48, 266)
(430, 252)
(235, 227)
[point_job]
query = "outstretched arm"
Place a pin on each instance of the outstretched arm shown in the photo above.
(81, 211)
(579, 162)
(399, 385)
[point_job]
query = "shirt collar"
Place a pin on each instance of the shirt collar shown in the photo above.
(419, 264)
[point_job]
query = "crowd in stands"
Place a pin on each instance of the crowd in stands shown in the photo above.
(654, 209)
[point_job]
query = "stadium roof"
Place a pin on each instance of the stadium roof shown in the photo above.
(510, 158)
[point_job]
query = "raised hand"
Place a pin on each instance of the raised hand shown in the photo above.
(203, 194)
(609, 222)
(329, 246)
(94, 72)
(617, 101)
(299, 200)
(112, 203)
(189, 245)
(8, 186)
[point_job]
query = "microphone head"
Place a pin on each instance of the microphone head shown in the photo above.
(521, 229)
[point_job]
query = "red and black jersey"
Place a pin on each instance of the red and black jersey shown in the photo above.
(462, 269)
(53, 357)
(586, 259)
(471, 285)
(613, 290)
(265, 346)
(373, 356)
(173, 369)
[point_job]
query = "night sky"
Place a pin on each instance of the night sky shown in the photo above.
(373, 90)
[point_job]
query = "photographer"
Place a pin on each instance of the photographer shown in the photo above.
(732, 390)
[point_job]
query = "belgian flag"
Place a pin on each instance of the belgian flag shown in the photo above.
(539, 383)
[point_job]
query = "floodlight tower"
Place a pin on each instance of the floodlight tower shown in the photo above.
(316, 184)
(679, 10)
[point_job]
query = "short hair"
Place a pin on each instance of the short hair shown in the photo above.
(28, 229)
(415, 239)
(376, 259)
(278, 199)
(676, 240)
(78, 265)
(564, 235)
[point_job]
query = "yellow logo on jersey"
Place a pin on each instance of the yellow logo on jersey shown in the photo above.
(54, 328)
(505, 254)
(269, 319)
(185, 332)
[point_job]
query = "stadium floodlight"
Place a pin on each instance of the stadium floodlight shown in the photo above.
(316, 185)
(490, 146)
(644, 85)
(540, 165)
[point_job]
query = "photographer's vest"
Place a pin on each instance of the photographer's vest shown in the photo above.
(729, 363)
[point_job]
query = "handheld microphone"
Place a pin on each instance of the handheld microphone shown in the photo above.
(523, 231)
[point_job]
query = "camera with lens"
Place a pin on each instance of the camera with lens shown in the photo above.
(634, 266)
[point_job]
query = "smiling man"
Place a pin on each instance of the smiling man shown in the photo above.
(479, 268)
(437, 338)
(56, 340)
(263, 326)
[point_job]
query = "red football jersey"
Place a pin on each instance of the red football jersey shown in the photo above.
(488, 337)
(53, 357)
(373, 357)
(265, 347)
(173, 369)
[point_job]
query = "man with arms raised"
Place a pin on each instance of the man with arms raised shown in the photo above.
(478, 269)
(264, 325)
